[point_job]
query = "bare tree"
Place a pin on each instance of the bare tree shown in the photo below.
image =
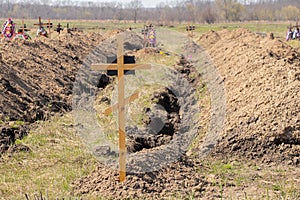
(290, 13)
(135, 6)
(230, 10)
(208, 14)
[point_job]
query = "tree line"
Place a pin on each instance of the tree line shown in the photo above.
(178, 11)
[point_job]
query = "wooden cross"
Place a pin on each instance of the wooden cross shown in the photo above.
(145, 32)
(120, 66)
(59, 28)
(190, 29)
(48, 25)
(24, 27)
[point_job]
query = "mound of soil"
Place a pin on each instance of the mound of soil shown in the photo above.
(262, 82)
(36, 79)
(177, 180)
(36, 76)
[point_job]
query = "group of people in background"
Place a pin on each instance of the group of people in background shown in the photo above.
(293, 34)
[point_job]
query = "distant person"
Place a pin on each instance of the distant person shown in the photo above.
(289, 34)
(298, 33)
(294, 34)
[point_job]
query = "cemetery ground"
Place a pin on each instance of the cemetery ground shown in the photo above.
(257, 156)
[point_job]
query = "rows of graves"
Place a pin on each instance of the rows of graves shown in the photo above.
(9, 30)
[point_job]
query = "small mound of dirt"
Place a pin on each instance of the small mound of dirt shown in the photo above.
(262, 92)
(178, 180)
(210, 37)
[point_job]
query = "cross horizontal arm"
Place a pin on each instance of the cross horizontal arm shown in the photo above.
(97, 67)
(43, 24)
(109, 110)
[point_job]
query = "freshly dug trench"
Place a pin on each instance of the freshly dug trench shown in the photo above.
(156, 163)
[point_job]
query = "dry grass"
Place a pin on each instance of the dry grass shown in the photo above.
(245, 179)
(56, 159)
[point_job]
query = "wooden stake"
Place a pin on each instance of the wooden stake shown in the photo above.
(121, 108)
(40, 22)
(23, 28)
(49, 28)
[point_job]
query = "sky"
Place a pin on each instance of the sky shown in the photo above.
(146, 3)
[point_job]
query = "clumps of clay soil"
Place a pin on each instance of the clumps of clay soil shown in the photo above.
(189, 71)
(177, 180)
(262, 95)
(8, 135)
(161, 123)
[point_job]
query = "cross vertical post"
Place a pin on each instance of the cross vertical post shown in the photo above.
(40, 22)
(121, 108)
(23, 31)
(49, 28)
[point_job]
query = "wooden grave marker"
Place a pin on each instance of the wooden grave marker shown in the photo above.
(121, 67)
(59, 28)
(24, 27)
(145, 33)
(190, 29)
(49, 25)
(22, 32)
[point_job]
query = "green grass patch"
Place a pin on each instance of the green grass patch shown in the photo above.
(57, 158)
